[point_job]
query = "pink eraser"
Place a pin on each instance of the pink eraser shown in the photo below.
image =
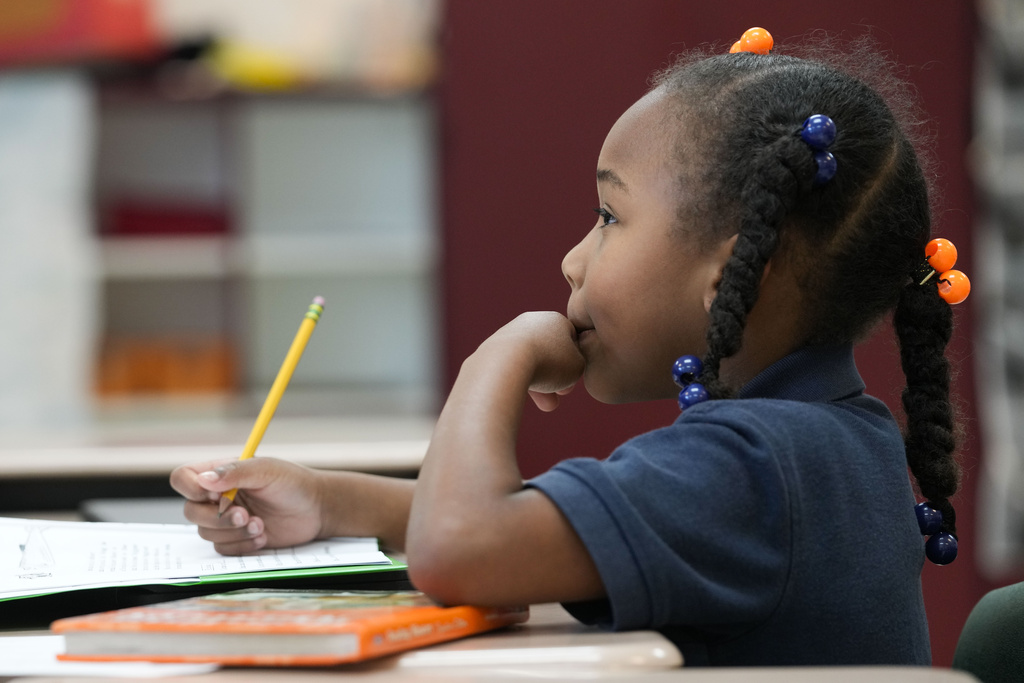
(318, 300)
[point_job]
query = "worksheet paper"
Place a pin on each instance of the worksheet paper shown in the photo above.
(42, 556)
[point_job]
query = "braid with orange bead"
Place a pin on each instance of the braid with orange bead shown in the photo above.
(924, 324)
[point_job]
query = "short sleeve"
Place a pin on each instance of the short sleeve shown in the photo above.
(687, 525)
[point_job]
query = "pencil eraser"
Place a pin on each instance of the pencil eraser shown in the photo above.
(318, 300)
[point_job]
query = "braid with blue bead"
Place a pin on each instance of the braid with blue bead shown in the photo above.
(809, 163)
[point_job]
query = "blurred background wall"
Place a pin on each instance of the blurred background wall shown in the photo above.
(423, 164)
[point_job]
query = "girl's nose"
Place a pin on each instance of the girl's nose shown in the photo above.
(574, 265)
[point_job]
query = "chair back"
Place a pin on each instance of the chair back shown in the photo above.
(991, 645)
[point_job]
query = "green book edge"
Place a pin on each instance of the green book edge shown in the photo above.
(294, 573)
(309, 572)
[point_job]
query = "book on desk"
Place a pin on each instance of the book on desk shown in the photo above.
(270, 627)
(53, 569)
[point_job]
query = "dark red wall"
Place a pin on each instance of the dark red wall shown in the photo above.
(529, 90)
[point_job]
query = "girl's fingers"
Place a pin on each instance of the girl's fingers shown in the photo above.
(243, 547)
(254, 473)
(545, 401)
(185, 479)
(204, 515)
(251, 535)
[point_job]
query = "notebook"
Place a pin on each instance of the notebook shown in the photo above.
(270, 627)
(51, 569)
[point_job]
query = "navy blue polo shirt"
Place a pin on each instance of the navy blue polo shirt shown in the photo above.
(776, 528)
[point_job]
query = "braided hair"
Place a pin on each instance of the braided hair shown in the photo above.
(855, 242)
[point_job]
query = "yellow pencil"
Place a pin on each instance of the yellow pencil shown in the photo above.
(284, 375)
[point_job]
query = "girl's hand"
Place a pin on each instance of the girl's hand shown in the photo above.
(281, 504)
(278, 503)
(546, 342)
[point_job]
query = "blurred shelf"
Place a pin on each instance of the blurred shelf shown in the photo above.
(206, 257)
(338, 254)
(385, 457)
(383, 445)
(150, 258)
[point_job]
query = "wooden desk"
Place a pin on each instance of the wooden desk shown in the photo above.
(550, 643)
(553, 646)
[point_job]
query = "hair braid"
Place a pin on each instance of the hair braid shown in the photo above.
(783, 170)
(924, 323)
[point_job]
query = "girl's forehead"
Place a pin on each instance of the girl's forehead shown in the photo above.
(645, 132)
(639, 156)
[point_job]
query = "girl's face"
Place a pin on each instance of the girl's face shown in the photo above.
(640, 288)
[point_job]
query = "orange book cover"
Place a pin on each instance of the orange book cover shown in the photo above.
(260, 627)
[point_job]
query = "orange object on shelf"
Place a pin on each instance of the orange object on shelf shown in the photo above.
(167, 365)
(52, 31)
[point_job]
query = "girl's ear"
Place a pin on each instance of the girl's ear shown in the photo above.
(719, 258)
(718, 261)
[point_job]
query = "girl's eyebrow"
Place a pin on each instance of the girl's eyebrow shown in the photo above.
(609, 176)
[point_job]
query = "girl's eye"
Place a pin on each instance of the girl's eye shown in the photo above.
(606, 216)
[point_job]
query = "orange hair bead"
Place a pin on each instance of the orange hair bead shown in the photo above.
(940, 254)
(954, 286)
(755, 40)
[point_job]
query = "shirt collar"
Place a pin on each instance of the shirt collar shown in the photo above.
(811, 374)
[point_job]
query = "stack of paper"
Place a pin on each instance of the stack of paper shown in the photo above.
(40, 557)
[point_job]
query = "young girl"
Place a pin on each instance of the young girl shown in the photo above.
(773, 522)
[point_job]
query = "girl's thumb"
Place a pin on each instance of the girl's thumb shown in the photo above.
(222, 478)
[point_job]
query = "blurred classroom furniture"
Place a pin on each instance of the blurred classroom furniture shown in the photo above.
(997, 156)
(179, 179)
(990, 647)
(223, 162)
(59, 473)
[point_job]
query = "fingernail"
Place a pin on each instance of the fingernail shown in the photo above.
(209, 476)
(253, 528)
(236, 518)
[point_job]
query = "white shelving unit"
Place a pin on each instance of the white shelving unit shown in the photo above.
(328, 195)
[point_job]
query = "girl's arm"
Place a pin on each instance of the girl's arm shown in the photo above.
(475, 534)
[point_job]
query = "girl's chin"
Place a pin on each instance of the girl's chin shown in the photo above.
(605, 391)
(596, 388)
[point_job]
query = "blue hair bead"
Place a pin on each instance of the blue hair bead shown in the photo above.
(818, 131)
(941, 548)
(686, 369)
(826, 167)
(692, 395)
(928, 519)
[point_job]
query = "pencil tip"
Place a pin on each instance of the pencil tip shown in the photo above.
(222, 507)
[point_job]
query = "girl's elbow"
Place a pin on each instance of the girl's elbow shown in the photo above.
(442, 565)
(443, 586)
